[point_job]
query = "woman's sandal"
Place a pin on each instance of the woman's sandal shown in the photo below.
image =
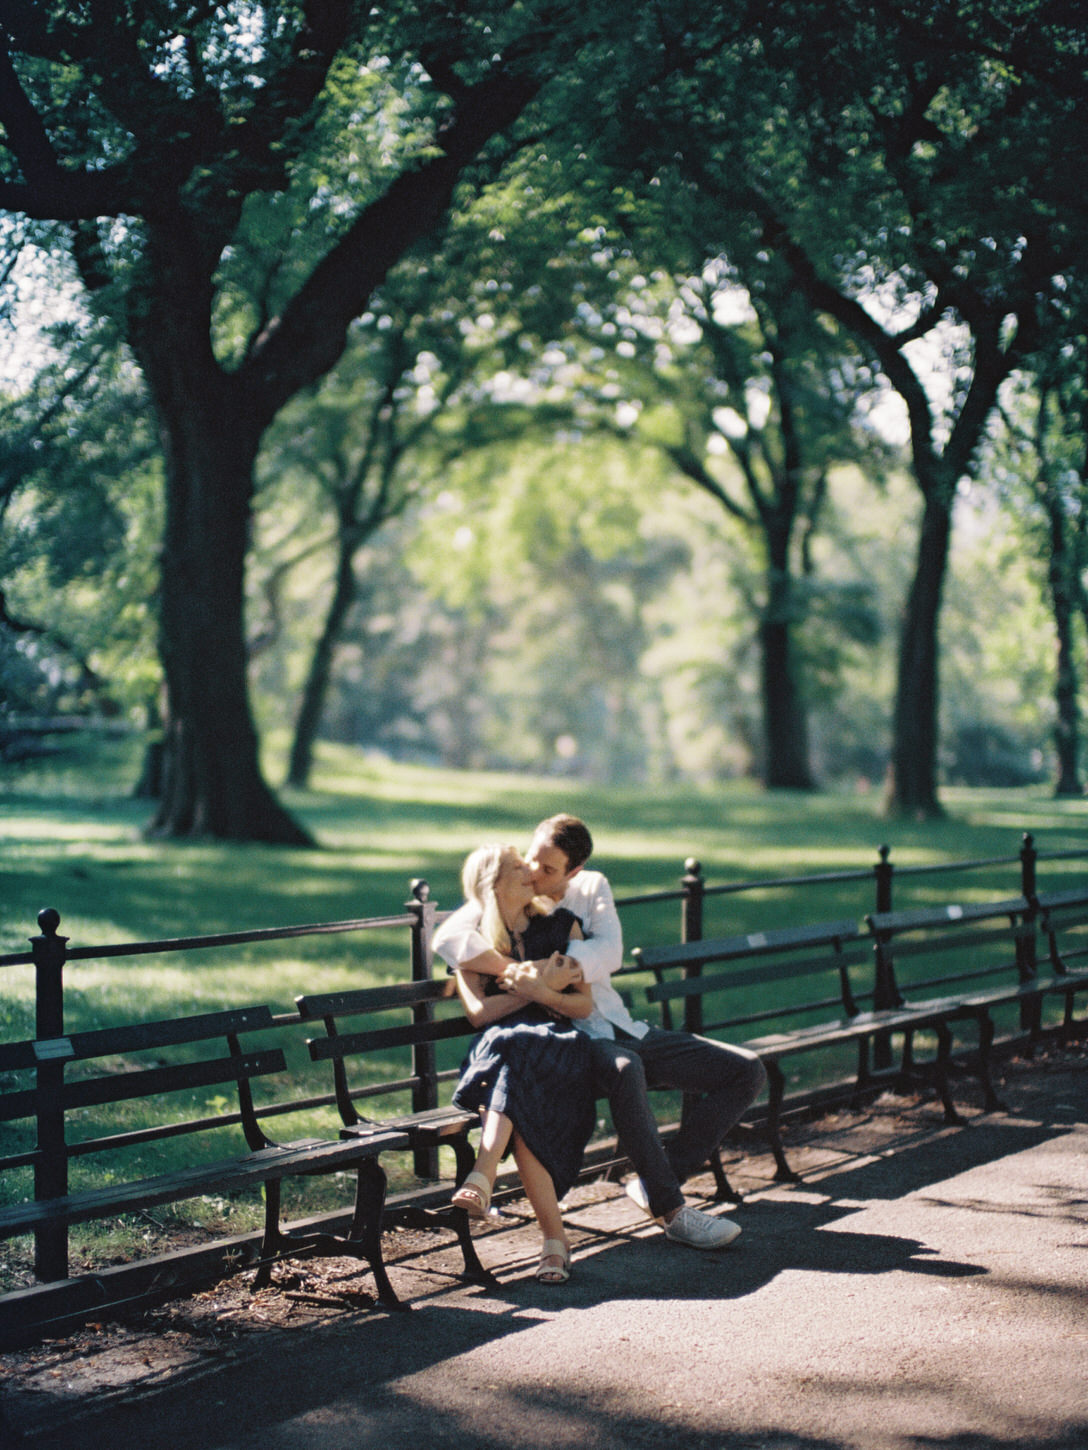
(553, 1273)
(474, 1195)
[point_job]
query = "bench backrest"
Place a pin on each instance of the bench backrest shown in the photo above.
(1063, 924)
(789, 971)
(97, 1069)
(378, 1020)
(927, 947)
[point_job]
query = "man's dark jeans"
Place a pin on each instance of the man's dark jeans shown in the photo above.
(719, 1083)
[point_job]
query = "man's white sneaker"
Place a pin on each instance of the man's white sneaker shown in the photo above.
(701, 1230)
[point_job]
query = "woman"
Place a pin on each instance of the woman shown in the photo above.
(529, 1073)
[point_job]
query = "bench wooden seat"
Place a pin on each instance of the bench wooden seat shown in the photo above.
(368, 1012)
(97, 1069)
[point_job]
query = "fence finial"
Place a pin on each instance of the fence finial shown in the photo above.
(49, 920)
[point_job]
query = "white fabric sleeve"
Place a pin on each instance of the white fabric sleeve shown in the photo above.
(601, 953)
(458, 939)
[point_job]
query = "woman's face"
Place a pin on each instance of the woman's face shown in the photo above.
(513, 885)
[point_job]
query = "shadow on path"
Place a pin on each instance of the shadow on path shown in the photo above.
(336, 1383)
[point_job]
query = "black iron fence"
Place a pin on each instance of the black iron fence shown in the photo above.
(51, 953)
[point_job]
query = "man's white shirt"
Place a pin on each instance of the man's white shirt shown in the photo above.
(589, 896)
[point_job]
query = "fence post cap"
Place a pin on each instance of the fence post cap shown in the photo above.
(49, 920)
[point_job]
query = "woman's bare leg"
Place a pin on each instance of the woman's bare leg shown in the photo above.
(474, 1194)
(494, 1138)
(540, 1191)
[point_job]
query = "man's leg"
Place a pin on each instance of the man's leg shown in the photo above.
(719, 1083)
(618, 1075)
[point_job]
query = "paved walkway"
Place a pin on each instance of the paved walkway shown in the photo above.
(922, 1286)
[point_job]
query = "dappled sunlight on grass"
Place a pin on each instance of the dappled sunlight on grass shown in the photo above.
(383, 824)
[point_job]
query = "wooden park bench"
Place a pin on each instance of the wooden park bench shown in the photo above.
(108, 1070)
(1063, 931)
(805, 973)
(965, 959)
(973, 958)
(380, 1021)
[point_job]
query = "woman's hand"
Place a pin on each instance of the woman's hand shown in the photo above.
(539, 982)
(536, 979)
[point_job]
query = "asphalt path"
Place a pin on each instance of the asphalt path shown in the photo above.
(921, 1286)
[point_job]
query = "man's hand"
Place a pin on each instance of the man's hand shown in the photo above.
(561, 972)
(534, 979)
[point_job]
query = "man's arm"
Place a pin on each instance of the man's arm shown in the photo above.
(601, 953)
(481, 1009)
(459, 943)
(556, 984)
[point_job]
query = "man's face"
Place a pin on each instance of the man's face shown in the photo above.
(549, 867)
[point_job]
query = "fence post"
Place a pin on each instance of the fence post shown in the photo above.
(1028, 859)
(883, 993)
(424, 1069)
(882, 871)
(691, 907)
(691, 929)
(1029, 1010)
(51, 1164)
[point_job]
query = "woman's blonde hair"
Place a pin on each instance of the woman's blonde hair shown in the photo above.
(479, 878)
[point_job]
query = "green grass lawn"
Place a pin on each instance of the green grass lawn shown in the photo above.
(71, 838)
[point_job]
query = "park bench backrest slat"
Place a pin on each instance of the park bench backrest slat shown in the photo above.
(893, 923)
(149, 1082)
(330, 1049)
(134, 1037)
(374, 999)
(753, 976)
(722, 949)
(1063, 900)
(940, 941)
(410, 1002)
(1063, 915)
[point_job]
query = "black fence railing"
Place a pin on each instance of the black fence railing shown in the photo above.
(51, 953)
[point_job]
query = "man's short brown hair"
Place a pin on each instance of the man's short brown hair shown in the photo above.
(569, 835)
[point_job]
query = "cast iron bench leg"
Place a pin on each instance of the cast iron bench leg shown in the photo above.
(366, 1227)
(944, 1057)
(273, 1241)
(907, 1069)
(776, 1091)
(993, 1103)
(723, 1192)
(864, 1076)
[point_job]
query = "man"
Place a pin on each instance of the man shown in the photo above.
(629, 1057)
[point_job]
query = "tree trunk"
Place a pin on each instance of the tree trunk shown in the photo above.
(785, 723)
(1067, 725)
(320, 671)
(912, 785)
(212, 781)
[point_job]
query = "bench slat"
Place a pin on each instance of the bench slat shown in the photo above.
(374, 999)
(143, 1083)
(752, 976)
(329, 1049)
(267, 1164)
(135, 1037)
(720, 949)
(891, 923)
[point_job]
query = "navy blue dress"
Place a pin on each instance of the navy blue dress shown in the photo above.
(536, 1069)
